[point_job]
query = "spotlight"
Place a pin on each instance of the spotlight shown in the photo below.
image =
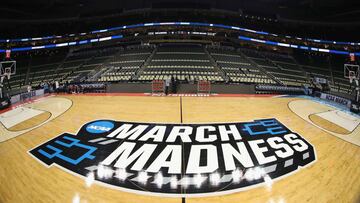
(173, 182)
(142, 177)
(237, 175)
(268, 182)
(185, 182)
(215, 178)
(100, 171)
(258, 173)
(121, 174)
(76, 198)
(159, 180)
(249, 175)
(281, 200)
(104, 172)
(198, 179)
(89, 179)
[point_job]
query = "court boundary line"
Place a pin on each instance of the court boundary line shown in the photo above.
(27, 101)
(28, 119)
(318, 127)
(40, 125)
(339, 115)
(171, 95)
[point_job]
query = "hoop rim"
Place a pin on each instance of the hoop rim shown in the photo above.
(9, 69)
(351, 71)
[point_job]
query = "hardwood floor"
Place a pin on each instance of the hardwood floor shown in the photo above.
(334, 177)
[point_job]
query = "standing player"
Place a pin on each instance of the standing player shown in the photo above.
(167, 85)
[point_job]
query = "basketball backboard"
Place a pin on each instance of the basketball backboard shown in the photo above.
(7, 68)
(351, 71)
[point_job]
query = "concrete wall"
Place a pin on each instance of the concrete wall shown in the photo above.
(129, 88)
(233, 89)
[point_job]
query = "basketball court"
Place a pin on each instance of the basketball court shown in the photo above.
(172, 102)
(331, 177)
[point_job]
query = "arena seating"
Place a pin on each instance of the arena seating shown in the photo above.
(126, 64)
(93, 63)
(184, 62)
(33, 67)
(280, 66)
(327, 67)
(237, 68)
(18, 80)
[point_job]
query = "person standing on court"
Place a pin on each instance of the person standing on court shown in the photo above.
(29, 88)
(173, 85)
(167, 84)
(57, 86)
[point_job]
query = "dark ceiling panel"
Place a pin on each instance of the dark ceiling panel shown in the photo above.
(312, 9)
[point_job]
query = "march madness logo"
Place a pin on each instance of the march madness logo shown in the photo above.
(179, 159)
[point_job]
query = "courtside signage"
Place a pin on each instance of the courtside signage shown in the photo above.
(179, 160)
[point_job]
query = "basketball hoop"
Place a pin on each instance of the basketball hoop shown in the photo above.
(7, 68)
(352, 72)
(8, 72)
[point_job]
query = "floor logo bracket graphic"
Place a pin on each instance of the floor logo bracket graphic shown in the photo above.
(168, 159)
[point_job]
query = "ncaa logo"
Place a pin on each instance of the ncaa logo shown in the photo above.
(100, 127)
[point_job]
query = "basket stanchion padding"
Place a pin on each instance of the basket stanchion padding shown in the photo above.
(204, 86)
(157, 86)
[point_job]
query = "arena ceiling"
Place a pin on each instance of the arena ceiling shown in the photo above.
(320, 19)
(308, 10)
